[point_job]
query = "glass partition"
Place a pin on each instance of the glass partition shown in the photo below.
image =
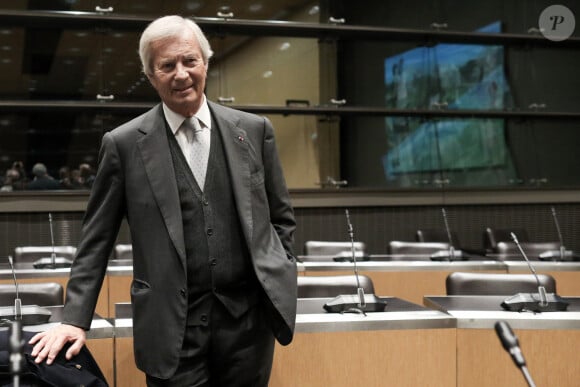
(380, 95)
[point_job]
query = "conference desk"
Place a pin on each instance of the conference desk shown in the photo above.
(410, 280)
(99, 340)
(407, 345)
(550, 342)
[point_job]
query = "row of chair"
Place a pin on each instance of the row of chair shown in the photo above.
(457, 283)
(497, 242)
(30, 254)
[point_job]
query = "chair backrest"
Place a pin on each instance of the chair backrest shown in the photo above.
(123, 251)
(332, 285)
(41, 294)
(332, 248)
(436, 235)
(491, 237)
(421, 250)
(499, 284)
(33, 253)
(510, 251)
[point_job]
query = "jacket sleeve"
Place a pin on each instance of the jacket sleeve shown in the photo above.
(281, 212)
(101, 223)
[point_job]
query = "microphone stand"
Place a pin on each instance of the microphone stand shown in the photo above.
(559, 231)
(361, 302)
(359, 290)
(52, 262)
(541, 289)
(15, 342)
(448, 231)
(544, 302)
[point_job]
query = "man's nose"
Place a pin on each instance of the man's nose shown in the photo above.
(181, 71)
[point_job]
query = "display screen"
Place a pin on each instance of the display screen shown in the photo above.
(449, 76)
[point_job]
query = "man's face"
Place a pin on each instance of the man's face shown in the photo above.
(179, 73)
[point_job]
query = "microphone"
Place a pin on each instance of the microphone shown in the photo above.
(24, 315)
(540, 302)
(451, 253)
(361, 302)
(52, 262)
(561, 254)
(511, 344)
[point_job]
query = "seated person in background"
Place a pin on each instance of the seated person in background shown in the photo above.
(10, 181)
(87, 175)
(42, 180)
(64, 177)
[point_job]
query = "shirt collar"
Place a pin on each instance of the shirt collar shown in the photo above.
(175, 119)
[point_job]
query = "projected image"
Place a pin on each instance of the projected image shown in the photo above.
(451, 76)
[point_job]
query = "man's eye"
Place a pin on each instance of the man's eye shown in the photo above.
(167, 66)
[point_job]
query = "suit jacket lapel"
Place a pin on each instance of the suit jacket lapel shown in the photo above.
(154, 148)
(236, 149)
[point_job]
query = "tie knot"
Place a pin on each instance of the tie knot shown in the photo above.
(193, 124)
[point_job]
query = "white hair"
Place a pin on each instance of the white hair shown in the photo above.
(165, 27)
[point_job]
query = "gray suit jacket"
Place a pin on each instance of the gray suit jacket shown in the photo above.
(136, 180)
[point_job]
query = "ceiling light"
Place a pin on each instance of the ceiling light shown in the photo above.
(314, 10)
(192, 6)
(255, 7)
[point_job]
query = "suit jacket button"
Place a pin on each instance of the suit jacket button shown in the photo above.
(182, 292)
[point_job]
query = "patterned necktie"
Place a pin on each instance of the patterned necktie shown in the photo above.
(199, 149)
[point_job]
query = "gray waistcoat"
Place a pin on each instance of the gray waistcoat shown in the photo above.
(218, 260)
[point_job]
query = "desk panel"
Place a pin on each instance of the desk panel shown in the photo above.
(549, 342)
(119, 284)
(551, 355)
(402, 358)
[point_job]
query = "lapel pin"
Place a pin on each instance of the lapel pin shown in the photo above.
(240, 138)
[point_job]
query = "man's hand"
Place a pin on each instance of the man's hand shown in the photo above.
(49, 343)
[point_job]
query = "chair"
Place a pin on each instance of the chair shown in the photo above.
(41, 294)
(500, 284)
(325, 286)
(31, 254)
(510, 251)
(333, 249)
(436, 235)
(491, 237)
(123, 252)
(414, 250)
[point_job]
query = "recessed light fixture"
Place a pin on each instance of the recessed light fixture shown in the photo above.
(256, 7)
(314, 10)
(192, 6)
